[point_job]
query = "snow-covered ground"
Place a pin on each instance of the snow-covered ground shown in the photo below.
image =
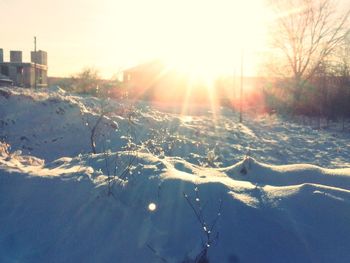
(267, 190)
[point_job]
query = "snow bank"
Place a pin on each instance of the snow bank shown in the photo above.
(62, 213)
(282, 175)
(55, 203)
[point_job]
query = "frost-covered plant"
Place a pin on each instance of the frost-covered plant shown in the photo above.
(157, 143)
(103, 109)
(163, 141)
(246, 164)
(122, 161)
(4, 149)
(122, 166)
(209, 232)
(211, 157)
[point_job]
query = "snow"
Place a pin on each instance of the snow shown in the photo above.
(283, 187)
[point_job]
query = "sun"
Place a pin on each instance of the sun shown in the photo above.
(209, 39)
(195, 66)
(202, 40)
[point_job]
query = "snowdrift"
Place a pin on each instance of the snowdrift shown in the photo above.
(55, 204)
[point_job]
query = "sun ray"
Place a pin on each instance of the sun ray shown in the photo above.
(186, 102)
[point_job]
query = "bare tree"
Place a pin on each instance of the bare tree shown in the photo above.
(342, 70)
(86, 81)
(305, 34)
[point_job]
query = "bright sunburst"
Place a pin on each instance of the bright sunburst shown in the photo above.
(197, 39)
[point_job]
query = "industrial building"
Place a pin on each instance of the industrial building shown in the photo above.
(25, 74)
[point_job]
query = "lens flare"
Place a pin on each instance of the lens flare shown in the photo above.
(152, 207)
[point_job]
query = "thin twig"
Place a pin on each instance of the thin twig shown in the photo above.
(155, 252)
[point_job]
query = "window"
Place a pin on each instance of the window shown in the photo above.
(5, 70)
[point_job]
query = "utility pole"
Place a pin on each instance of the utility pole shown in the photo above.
(34, 57)
(234, 87)
(241, 91)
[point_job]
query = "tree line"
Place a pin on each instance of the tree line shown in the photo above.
(89, 81)
(309, 59)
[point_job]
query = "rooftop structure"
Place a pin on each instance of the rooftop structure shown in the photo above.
(25, 74)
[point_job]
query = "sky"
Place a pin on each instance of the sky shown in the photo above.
(111, 35)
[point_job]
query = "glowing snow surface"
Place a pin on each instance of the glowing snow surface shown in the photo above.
(277, 205)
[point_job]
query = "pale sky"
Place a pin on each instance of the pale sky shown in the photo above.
(113, 34)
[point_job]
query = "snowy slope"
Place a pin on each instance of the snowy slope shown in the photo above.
(55, 206)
